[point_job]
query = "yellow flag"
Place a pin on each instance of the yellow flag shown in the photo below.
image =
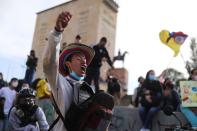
(173, 40)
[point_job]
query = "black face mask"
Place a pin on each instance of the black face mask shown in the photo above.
(26, 103)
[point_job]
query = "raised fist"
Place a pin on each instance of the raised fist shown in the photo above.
(62, 21)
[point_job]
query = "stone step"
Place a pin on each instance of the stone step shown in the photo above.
(128, 119)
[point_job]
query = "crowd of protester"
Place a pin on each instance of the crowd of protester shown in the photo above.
(20, 108)
(152, 96)
(26, 105)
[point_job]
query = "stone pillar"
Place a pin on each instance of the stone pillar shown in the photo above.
(92, 19)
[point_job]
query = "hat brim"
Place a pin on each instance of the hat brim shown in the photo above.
(73, 48)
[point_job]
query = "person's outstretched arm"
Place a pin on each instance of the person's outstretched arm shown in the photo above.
(108, 58)
(50, 66)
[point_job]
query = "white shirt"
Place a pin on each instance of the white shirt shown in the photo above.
(10, 96)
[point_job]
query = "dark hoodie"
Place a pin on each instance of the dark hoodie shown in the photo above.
(155, 89)
(2, 82)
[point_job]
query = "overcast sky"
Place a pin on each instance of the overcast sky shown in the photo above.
(138, 27)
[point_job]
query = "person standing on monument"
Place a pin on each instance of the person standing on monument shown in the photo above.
(93, 70)
(31, 67)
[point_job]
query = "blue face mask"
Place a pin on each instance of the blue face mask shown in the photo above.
(152, 77)
(75, 76)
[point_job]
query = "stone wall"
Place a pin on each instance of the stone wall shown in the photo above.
(92, 19)
(128, 119)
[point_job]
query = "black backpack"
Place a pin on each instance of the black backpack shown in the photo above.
(94, 113)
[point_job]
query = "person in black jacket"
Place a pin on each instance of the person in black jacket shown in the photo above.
(31, 67)
(2, 102)
(138, 92)
(170, 96)
(2, 82)
(93, 70)
(151, 98)
(113, 88)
